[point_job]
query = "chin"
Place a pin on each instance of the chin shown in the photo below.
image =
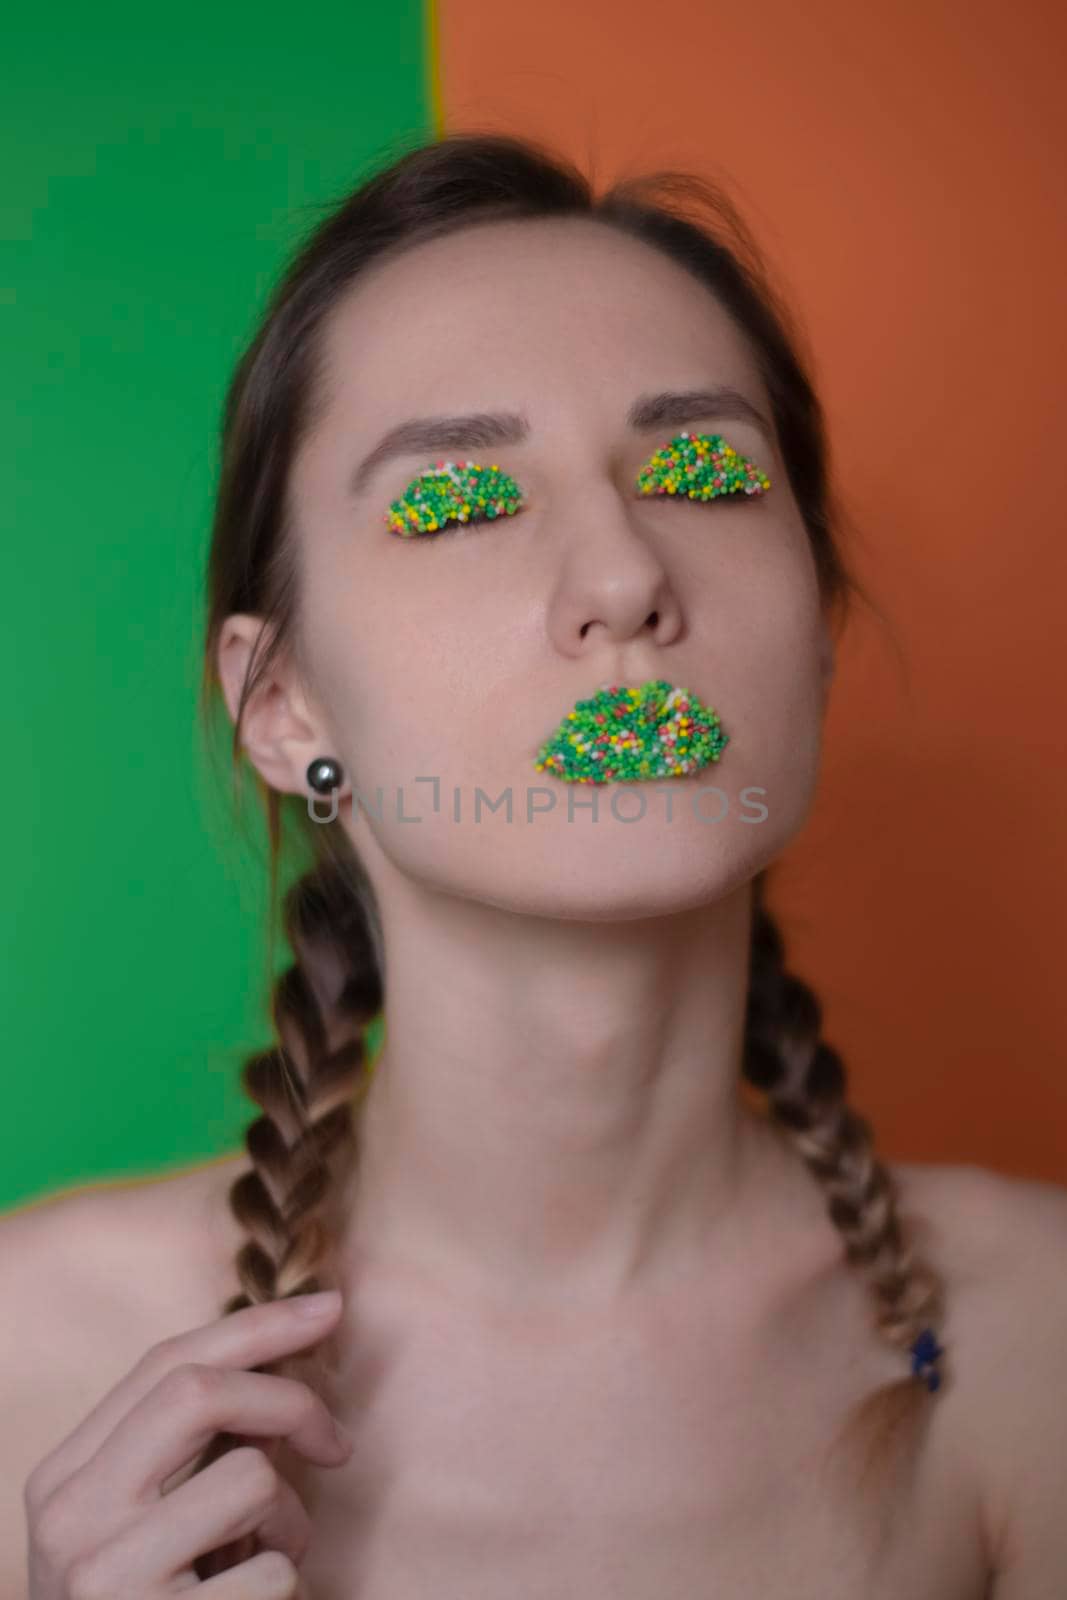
(617, 875)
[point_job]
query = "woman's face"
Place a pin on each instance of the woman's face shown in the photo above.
(440, 663)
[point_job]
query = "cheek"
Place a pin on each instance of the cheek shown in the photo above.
(772, 596)
(775, 678)
(786, 664)
(409, 685)
(403, 709)
(353, 656)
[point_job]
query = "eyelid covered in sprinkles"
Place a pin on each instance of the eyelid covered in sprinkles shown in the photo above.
(700, 466)
(690, 466)
(452, 491)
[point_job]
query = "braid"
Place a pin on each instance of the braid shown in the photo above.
(306, 1084)
(805, 1081)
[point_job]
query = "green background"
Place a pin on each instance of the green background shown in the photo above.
(156, 179)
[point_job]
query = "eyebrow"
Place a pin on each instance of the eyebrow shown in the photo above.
(483, 430)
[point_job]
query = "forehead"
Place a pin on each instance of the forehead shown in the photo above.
(557, 314)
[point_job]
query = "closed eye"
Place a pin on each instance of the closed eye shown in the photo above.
(689, 468)
(452, 492)
(701, 467)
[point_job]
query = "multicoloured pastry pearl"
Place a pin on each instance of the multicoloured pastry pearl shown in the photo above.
(627, 734)
(453, 491)
(700, 466)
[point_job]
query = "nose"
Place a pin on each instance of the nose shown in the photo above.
(612, 586)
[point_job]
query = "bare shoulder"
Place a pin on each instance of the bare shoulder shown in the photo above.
(1001, 1241)
(90, 1279)
(979, 1218)
(149, 1248)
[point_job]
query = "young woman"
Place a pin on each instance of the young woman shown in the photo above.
(629, 1305)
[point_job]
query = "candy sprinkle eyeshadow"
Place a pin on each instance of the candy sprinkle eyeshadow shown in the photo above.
(700, 466)
(453, 491)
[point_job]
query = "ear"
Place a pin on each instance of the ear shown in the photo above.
(281, 730)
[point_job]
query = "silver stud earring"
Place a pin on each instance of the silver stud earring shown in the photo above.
(325, 776)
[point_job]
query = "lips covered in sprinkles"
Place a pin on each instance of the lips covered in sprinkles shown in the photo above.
(626, 734)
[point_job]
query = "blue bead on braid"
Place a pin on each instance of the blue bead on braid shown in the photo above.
(924, 1352)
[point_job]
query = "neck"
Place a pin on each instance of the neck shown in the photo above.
(556, 1113)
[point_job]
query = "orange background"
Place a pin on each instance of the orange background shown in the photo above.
(901, 168)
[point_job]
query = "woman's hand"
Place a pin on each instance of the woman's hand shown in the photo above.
(100, 1526)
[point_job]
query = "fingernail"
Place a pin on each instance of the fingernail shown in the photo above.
(316, 1305)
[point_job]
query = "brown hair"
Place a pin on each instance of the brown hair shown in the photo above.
(309, 1082)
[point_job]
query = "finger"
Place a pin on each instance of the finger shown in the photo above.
(268, 1576)
(246, 1338)
(171, 1425)
(241, 1493)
